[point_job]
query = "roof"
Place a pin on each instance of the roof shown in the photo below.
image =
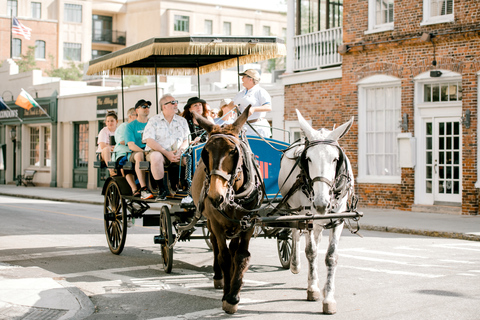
(183, 55)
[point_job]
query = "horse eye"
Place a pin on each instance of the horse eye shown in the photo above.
(233, 151)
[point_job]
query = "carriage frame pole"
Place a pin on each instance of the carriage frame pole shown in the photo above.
(294, 218)
(123, 95)
(156, 83)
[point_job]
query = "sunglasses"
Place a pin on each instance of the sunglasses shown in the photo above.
(172, 102)
(145, 106)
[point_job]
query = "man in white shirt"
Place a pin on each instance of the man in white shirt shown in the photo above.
(166, 135)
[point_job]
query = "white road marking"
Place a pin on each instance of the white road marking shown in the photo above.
(457, 261)
(43, 255)
(392, 261)
(402, 273)
(382, 253)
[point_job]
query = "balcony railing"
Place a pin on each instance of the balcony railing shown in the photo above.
(110, 36)
(317, 50)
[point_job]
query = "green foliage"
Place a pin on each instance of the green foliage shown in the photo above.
(72, 72)
(27, 61)
(134, 80)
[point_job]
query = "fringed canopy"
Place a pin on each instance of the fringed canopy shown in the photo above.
(184, 55)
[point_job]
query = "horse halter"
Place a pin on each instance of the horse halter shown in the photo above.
(304, 165)
(230, 178)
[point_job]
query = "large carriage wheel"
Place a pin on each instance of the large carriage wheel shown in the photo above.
(284, 246)
(206, 234)
(167, 234)
(115, 218)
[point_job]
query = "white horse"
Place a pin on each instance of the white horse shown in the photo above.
(321, 179)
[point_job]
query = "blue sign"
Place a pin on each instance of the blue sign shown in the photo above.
(267, 157)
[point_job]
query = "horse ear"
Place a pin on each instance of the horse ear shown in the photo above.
(305, 126)
(203, 122)
(238, 124)
(341, 130)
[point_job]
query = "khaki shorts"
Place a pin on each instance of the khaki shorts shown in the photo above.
(132, 156)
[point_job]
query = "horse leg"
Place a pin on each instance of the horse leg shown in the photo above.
(311, 252)
(295, 260)
(241, 256)
(329, 303)
(217, 270)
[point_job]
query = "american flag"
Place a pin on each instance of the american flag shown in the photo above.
(20, 29)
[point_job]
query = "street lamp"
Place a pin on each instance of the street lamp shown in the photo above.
(13, 134)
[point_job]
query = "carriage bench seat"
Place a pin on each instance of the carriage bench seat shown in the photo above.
(26, 178)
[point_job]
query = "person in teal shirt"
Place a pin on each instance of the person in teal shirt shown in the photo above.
(121, 149)
(133, 139)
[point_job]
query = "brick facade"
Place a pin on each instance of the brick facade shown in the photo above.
(399, 53)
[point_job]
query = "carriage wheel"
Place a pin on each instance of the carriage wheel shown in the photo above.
(206, 234)
(115, 218)
(284, 246)
(166, 233)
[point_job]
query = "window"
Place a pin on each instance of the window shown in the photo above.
(380, 15)
(320, 15)
(442, 92)
(34, 146)
(266, 31)
(36, 10)
(39, 49)
(16, 48)
(181, 23)
(40, 144)
(227, 28)
(249, 29)
(73, 13)
(98, 53)
(12, 6)
(437, 11)
(208, 27)
(379, 117)
(72, 51)
(102, 28)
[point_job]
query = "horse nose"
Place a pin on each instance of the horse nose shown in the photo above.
(320, 205)
(217, 201)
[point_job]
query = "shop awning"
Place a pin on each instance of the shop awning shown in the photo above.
(186, 55)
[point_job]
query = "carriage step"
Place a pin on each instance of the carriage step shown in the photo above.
(112, 165)
(159, 239)
(128, 165)
(144, 165)
(99, 164)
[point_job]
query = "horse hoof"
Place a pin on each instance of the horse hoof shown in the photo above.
(329, 308)
(229, 308)
(218, 284)
(313, 296)
(294, 269)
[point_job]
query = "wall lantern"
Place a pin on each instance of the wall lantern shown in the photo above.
(13, 134)
(404, 122)
(343, 48)
(465, 119)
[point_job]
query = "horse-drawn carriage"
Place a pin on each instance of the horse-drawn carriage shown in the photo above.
(232, 209)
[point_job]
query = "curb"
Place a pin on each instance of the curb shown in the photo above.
(86, 306)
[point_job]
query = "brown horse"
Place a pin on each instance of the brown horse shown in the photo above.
(226, 187)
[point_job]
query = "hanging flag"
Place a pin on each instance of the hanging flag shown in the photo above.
(26, 101)
(3, 105)
(20, 29)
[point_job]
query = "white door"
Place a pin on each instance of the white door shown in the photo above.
(443, 160)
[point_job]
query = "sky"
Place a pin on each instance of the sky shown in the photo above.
(257, 4)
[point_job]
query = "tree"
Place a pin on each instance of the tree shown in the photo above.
(134, 80)
(73, 72)
(27, 61)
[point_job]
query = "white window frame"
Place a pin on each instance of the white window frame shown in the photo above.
(373, 27)
(36, 10)
(38, 50)
(15, 42)
(208, 25)
(377, 81)
(227, 28)
(181, 21)
(249, 32)
(428, 19)
(72, 46)
(41, 147)
(73, 13)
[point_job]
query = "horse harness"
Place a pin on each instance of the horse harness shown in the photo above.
(250, 194)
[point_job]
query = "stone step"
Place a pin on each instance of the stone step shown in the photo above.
(456, 209)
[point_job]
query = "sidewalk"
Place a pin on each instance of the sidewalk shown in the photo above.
(39, 294)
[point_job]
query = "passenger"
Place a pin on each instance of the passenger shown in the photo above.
(104, 147)
(121, 149)
(133, 138)
(166, 135)
(260, 100)
(199, 106)
(227, 114)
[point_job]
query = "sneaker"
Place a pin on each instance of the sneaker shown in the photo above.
(137, 193)
(145, 193)
(187, 200)
(162, 195)
(130, 222)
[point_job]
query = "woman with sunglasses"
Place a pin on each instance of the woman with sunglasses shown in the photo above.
(199, 106)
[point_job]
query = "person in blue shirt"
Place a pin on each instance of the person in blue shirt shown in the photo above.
(133, 139)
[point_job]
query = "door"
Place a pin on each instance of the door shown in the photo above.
(80, 155)
(443, 160)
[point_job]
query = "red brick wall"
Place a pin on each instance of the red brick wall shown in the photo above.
(41, 30)
(398, 53)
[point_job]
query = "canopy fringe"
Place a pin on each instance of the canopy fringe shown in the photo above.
(247, 52)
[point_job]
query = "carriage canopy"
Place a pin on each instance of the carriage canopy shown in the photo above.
(186, 55)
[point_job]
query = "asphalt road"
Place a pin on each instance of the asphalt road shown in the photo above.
(380, 276)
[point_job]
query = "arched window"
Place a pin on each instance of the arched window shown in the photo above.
(39, 49)
(16, 48)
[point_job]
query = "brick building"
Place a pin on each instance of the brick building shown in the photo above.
(409, 72)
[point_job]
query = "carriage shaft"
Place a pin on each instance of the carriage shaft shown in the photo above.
(295, 218)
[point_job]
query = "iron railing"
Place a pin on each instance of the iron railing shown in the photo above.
(317, 49)
(110, 36)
